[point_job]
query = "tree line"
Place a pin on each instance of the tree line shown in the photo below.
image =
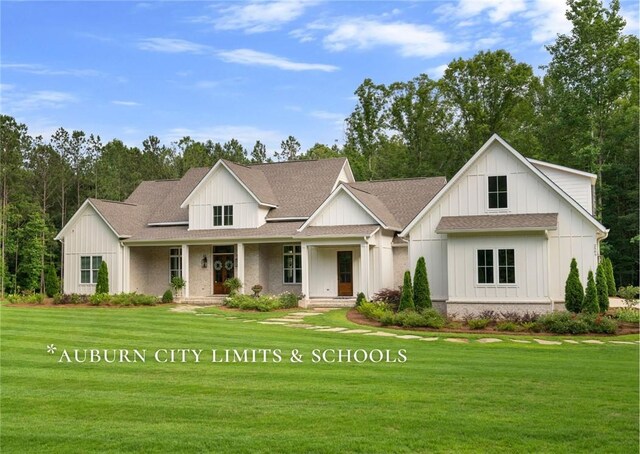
(582, 113)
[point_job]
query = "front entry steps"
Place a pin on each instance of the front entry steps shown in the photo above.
(203, 300)
(314, 303)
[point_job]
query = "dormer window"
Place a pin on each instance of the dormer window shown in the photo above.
(222, 215)
(498, 192)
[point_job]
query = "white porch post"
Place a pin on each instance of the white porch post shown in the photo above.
(364, 269)
(240, 271)
(304, 250)
(126, 273)
(185, 270)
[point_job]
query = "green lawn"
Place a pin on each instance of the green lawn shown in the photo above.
(446, 398)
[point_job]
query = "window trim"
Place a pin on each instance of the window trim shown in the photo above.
(485, 266)
(217, 215)
(497, 192)
(227, 215)
(179, 256)
(506, 266)
(91, 269)
(224, 217)
(496, 267)
(294, 269)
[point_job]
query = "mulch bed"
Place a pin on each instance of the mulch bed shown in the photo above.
(356, 317)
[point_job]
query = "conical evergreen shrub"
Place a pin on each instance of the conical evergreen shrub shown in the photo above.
(573, 290)
(51, 281)
(421, 292)
(406, 300)
(602, 287)
(611, 280)
(103, 279)
(590, 303)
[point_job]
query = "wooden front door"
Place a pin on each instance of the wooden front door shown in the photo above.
(223, 269)
(345, 273)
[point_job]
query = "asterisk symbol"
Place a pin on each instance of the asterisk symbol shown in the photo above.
(51, 349)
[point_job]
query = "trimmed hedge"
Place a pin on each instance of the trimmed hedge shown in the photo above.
(567, 323)
(104, 299)
(27, 298)
(263, 303)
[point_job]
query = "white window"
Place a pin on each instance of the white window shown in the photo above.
(506, 268)
(292, 264)
(498, 192)
(222, 215)
(175, 262)
(89, 266)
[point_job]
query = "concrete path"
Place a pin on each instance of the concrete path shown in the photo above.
(297, 320)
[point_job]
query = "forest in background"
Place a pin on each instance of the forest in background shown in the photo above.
(582, 113)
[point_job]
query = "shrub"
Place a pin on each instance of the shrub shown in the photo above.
(406, 301)
(573, 290)
(421, 291)
(374, 310)
(289, 300)
(360, 299)
(597, 323)
(432, 318)
(70, 298)
(611, 280)
(478, 323)
(232, 285)
(507, 326)
(590, 302)
(178, 283)
(167, 296)
(567, 323)
(408, 318)
(628, 314)
(602, 288)
(100, 299)
(489, 315)
(25, 298)
(387, 318)
(103, 279)
(528, 326)
(122, 299)
(51, 281)
(629, 294)
(389, 296)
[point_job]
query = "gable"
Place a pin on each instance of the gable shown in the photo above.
(87, 231)
(341, 209)
(578, 185)
(529, 190)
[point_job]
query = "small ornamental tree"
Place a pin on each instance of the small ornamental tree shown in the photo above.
(421, 292)
(573, 291)
(590, 303)
(406, 300)
(360, 299)
(611, 280)
(602, 287)
(51, 281)
(103, 279)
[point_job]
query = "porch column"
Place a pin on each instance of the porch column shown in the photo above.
(304, 251)
(240, 271)
(185, 270)
(364, 269)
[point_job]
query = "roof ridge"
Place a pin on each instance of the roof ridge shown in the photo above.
(357, 189)
(401, 179)
(115, 201)
(296, 160)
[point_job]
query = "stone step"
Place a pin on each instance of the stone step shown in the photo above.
(330, 302)
(202, 301)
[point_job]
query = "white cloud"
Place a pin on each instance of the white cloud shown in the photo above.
(172, 46)
(37, 100)
(547, 20)
(411, 40)
(488, 42)
(125, 103)
(496, 10)
(329, 116)
(245, 134)
(258, 16)
(45, 71)
(6, 87)
(633, 23)
(255, 58)
(437, 72)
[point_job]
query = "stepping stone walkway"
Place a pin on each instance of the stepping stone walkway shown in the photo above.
(546, 342)
(296, 320)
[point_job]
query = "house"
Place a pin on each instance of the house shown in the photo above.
(499, 235)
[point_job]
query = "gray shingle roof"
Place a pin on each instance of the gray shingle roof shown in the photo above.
(402, 198)
(483, 223)
(255, 180)
(375, 205)
(125, 218)
(168, 210)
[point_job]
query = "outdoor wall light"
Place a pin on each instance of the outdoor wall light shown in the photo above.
(204, 261)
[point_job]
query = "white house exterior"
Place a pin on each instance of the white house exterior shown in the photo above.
(308, 227)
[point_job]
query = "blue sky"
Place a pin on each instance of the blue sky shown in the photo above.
(249, 70)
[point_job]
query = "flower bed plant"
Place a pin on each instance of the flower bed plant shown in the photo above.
(265, 303)
(103, 299)
(26, 298)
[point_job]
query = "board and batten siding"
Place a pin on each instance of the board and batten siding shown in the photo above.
(222, 188)
(527, 193)
(89, 235)
(578, 187)
(342, 210)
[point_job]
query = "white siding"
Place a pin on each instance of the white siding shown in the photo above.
(90, 236)
(578, 187)
(527, 193)
(222, 188)
(343, 210)
(383, 264)
(323, 263)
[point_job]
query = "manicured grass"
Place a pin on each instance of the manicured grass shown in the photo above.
(446, 398)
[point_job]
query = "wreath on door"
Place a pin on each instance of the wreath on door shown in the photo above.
(228, 265)
(217, 265)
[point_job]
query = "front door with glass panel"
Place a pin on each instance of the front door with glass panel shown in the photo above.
(345, 273)
(223, 268)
